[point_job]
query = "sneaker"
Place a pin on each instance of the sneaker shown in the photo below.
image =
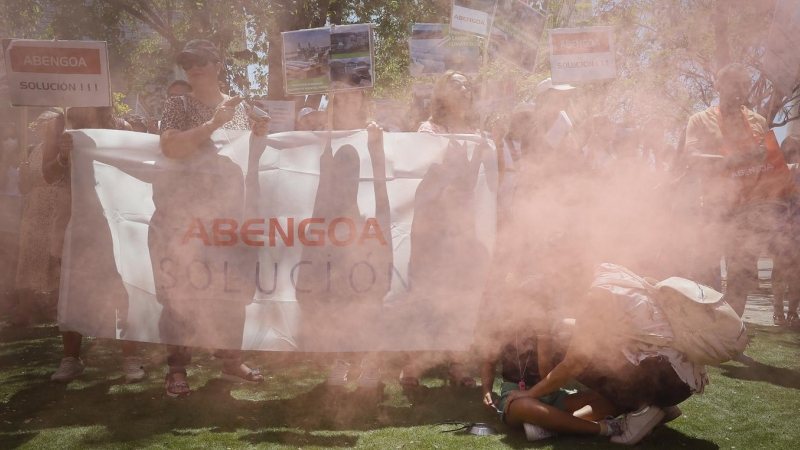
(671, 413)
(779, 319)
(68, 370)
(636, 425)
(338, 376)
(613, 425)
(370, 374)
(134, 371)
(537, 433)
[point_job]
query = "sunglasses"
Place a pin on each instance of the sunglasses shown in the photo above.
(189, 63)
(455, 84)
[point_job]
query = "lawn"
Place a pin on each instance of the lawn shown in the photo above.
(743, 408)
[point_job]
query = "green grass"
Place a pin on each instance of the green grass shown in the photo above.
(743, 408)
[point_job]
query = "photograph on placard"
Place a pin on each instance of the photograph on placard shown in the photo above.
(435, 48)
(473, 16)
(351, 57)
(516, 33)
(306, 55)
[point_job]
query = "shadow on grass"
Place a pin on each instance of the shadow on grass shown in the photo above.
(757, 371)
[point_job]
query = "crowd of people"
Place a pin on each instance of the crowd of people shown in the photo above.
(576, 190)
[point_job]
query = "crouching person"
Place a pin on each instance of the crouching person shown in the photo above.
(525, 351)
(620, 349)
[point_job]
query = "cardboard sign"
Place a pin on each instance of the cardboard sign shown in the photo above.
(782, 56)
(473, 16)
(579, 55)
(57, 73)
(516, 33)
(435, 48)
(318, 60)
(281, 113)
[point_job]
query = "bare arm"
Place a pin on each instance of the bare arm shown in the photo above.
(488, 370)
(54, 167)
(179, 144)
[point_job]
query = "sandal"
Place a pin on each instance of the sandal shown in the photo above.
(174, 388)
(251, 377)
(459, 377)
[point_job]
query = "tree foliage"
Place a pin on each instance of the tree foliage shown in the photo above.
(668, 50)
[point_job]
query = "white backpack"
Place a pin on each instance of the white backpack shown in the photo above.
(706, 328)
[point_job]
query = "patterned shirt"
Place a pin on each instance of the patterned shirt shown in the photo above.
(192, 113)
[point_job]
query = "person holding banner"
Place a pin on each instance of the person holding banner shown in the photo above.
(337, 314)
(452, 106)
(36, 274)
(56, 169)
(203, 316)
(452, 112)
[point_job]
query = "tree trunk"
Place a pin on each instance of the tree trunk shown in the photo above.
(722, 10)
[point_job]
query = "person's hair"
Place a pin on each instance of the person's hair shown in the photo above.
(791, 148)
(45, 117)
(438, 104)
(81, 117)
(730, 69)
(182, 83)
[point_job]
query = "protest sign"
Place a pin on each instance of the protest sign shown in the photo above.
(284, 243)
(306, 55)
(516, 33)
(579, 55)
(351, 57)
(435, 48)
(782, 55)
(57, 73)
(281, 115)
(473, 16)
(331, 58)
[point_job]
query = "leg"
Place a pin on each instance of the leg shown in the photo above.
(590, 406)
(177, 359)
(457, 370)
(531, 410)
(742, 277)
(72, 344)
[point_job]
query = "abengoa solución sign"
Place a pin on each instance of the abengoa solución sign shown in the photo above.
(582, 54)
(57, 73)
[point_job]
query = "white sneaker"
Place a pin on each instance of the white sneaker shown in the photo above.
(636, 425)
(370, 374)
(338, 376)
(671, 413)
(134, 371)
(537, 433)
(67, 370)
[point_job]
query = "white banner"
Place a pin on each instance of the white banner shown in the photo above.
(580, 55)
(58, 73)
(280, 243)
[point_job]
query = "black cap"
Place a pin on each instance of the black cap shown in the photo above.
(199, 47)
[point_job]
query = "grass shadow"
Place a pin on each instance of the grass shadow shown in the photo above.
(757, 371)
